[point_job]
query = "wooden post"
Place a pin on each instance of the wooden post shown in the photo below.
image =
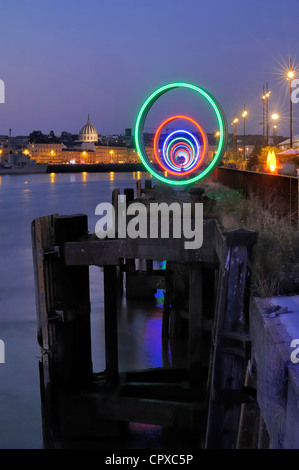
(70, 348)
(147, 184)
(231, 344)
(139, 190)
(195, 322)
(111, 340)
(129, 193)
(115, 194)
(42, 235)
(129, 263)
(167, 302)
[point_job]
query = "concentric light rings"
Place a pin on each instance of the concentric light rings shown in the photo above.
(139, 127)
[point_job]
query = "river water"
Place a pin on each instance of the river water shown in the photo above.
(22, 199)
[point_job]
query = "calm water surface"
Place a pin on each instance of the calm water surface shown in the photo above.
(22, 199)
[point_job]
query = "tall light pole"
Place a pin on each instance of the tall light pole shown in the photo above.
(235, 132)
(263, 100)
(244, 114)
(274, 119)
(274, 134)
(267, 94)
(291, 76)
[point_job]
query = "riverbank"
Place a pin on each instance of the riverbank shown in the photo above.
(30, 168)
(96, 168)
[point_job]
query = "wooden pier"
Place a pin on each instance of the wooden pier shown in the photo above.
(206, 397)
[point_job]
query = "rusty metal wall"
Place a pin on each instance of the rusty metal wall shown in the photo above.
(278, 189)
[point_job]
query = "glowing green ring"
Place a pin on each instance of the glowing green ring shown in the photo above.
(139, 126)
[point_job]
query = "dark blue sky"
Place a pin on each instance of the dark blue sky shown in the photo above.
(63, 59)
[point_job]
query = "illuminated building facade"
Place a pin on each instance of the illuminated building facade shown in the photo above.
(85, 148)
(44, 148)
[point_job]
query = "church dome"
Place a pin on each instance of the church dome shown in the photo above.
(88, 133)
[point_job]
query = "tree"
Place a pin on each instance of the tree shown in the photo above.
(253, 160)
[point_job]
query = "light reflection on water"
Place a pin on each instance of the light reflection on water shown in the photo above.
(22, 199)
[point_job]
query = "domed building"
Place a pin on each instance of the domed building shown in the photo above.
(88, 133)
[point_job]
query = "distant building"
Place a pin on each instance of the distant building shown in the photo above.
(83, 148)
(286, 143)
(45, 148)
(88, 133)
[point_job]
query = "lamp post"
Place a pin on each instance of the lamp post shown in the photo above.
(290, 77)
(274, 134)
(263, 100)
(217, 135)
(274, 119)
(235, 131)
(267, 94)
(244, 114)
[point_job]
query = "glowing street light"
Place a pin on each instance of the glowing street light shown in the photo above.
(274, 118)
(290, 77)
(235, 131)
(291, 74)
(244, 114)
(266, 96)
(264, 102)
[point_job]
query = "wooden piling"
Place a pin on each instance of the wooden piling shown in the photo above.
(70, 329)
(195, 322)
(129, 193)
(111, 340)
(231, 340)
(165, 396)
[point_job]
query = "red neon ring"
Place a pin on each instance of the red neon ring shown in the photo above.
(157, 136)
(174, 151)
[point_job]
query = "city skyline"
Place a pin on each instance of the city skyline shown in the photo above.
(67, 60)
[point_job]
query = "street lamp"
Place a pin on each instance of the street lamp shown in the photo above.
(244, 114)
(274, 134)
(263, 100)
(274, 119)
(235, 131)
(267, 95)
(217, 135)
(290, 77)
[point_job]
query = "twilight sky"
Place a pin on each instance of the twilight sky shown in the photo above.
(63, 59)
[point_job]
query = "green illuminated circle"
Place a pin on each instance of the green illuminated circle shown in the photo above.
(139, 126)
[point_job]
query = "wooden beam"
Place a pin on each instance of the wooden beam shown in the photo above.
(93, 251)
(129, 409)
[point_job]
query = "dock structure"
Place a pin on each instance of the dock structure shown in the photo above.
(206, 397)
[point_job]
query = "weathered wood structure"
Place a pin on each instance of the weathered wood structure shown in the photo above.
(204, 397)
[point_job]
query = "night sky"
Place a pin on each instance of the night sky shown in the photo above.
(61, 60)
